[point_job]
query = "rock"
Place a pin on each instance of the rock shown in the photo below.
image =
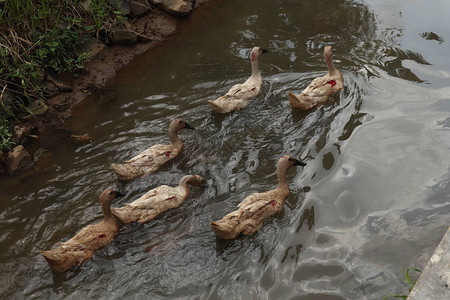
(38, 107)
(176, 8)
(138, 8)
(121, 5)
(21, 133)
(50, 89)
(90, 45)
(18, 160)
(62, 81)
(61, 102)
(123, 37)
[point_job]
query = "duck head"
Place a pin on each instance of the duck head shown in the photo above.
(287, 161)
(257, 52)
(197, 180)
(108, 195)
(178, 124)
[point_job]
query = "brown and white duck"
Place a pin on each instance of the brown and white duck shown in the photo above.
(321, 88)
(240, 94)
(254, 209)
(157, 201)
(154, 157)
(82, 246)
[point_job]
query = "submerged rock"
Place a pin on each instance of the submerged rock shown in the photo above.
(177, 8)
(18, 160)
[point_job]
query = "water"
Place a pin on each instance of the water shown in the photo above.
(373, 199)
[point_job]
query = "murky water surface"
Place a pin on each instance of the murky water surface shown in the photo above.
(373, 199)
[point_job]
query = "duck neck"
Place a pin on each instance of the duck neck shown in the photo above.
(255, 66)
(282, 179)
(173, 136)
(106, 209)
(330, 64)
(183, 186)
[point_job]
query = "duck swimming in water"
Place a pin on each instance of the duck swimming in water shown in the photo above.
(82, 246)
(254, 209)
(157, 201)
(154, 157)
(240, 94)
(321, 88)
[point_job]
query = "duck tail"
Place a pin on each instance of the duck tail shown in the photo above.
(298, 102)
(222, 231)
(53, 259)
(215, 107)
(124, 171)
(122, 214)
(293, 99)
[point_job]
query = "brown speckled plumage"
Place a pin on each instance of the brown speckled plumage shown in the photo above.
(82, 246)
(256, 208)
(153, 158)
(240, 94)
(157, 201)
(321, 88)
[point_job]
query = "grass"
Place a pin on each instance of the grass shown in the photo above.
(36, 36)
(410, 281)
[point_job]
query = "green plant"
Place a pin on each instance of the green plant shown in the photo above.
(411, 282)
(36, 36)
(6, 139)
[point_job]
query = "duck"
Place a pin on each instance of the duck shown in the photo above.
(240, 94)
(256, 208)
(157, 201)
(80, 248)
(321, 88)
(150, 160)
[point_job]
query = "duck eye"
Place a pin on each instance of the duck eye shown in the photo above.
(290, 159)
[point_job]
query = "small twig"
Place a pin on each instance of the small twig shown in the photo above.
(3, 90)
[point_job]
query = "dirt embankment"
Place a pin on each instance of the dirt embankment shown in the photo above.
(150, 23)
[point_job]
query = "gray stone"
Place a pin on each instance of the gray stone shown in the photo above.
(18, 160)
(123, 37)
(63, 81)
(434, 282)
(121, 5)
(138, 8)
(177, 8)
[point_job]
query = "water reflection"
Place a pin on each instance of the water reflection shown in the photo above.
(362, 210)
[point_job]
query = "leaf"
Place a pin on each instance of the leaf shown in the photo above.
(53, 45)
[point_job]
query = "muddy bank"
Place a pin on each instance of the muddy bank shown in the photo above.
(149, 25)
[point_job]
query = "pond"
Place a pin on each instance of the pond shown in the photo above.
(372, 201)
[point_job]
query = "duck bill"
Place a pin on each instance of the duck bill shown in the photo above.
(264, 51)
(299, 163)
(187, 126)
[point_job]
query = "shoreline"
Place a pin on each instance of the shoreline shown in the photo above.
(48, 127)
